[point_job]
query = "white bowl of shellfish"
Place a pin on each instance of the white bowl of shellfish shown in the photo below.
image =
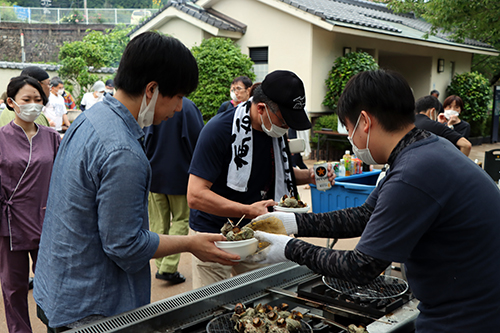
(291, 205)
(243, 248)
(291, 210)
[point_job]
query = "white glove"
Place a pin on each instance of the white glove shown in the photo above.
(273, 253)
(275, 223)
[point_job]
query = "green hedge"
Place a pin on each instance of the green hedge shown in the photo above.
(343, 69)
(476, 94)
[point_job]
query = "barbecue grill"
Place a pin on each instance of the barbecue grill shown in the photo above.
(287, 282)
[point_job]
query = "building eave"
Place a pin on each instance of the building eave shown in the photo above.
(173, 13)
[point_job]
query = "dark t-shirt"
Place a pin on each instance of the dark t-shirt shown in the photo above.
(424, 122)
(211, 160)
(443, 223)
(463, 128)
(227, 105)
(169, 147)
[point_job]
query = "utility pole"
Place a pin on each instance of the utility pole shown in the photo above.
(23, 55)
(86, 11)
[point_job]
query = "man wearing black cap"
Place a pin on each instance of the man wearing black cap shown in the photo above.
(41, 75)
(110, 87)
(241, 164)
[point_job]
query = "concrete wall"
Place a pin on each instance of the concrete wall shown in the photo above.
(41, 41)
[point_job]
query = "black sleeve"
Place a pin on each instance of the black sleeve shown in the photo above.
(82, 107)
(448, 133)
(351, 266)
(344, 223)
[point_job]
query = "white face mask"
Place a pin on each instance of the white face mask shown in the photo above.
(109, 91)
(99, 94)
(233, 96)
(449, 113)
(363, 154)
(60, 92)
(147, 111)
(29, 112)
(275, 131)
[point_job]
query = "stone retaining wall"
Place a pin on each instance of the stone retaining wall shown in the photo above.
(41, 41)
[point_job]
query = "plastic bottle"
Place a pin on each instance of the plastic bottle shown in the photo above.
(342, 168)
(347, 163)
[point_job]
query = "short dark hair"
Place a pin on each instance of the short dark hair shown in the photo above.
(434, 92)
(425, 103)
(18, 82)
(453, 98)
(384, 94)
(55, 81)
(260, 97)
(243, 79)
(152, 56)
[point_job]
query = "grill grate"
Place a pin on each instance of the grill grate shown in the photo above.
(200, 304)
(384, 286)
(224, 324)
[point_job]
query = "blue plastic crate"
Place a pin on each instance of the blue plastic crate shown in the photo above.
(350, 191)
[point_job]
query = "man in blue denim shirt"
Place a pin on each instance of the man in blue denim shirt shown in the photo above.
(95, 246)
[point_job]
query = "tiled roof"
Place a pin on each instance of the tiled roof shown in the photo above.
(368, 14)
(48, 67)
(190, 8)
(361, 13)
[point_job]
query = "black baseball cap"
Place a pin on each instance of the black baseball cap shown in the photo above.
(286, 89)
(35, 72)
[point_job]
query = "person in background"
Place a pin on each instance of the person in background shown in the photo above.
(69, 101)
(27, 153)
(110, 87)
(434, 211)
(169, 148)
(90, 98)
(43, 78)
(240, 92)
(453, 106)
(55, 111)
(95, 247)
(242, 165)
(426, 118)
(435, 93)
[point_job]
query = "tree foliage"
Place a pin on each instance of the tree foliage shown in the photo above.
(463, 19)
(97, 50)
(343, 69)
(219, 61)
(473, 88)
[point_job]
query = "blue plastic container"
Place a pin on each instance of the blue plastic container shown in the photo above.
(350, 191)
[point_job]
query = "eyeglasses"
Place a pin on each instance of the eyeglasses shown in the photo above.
(283, 123)
(237, 89)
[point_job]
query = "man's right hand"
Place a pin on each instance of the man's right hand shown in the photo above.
(259, 208)
(203, 247)
(275, 223)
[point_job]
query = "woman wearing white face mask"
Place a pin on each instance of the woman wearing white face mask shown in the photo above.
(90, 98)
(453, 106)
(27, 153)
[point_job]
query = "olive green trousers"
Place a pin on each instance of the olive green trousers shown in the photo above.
(168, 215)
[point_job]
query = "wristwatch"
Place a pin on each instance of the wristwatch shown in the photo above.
(451, 126)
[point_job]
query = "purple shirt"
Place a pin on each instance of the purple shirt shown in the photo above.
(23, 209)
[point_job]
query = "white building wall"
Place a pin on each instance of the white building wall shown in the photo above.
(187, 33)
